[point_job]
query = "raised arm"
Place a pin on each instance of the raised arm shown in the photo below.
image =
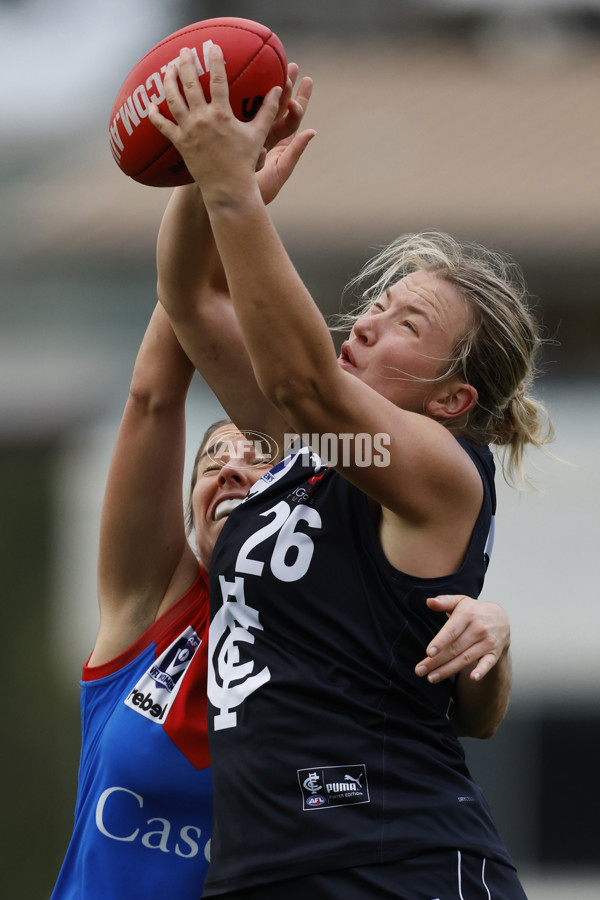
(193, 290)
(191, 281)
(145, 561)
(431, 483)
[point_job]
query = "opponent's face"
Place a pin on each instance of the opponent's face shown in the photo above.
(406, 338)
(226, 472)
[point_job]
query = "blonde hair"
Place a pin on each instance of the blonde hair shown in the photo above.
(497, 355)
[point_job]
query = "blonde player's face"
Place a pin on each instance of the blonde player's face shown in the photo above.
(406, 338)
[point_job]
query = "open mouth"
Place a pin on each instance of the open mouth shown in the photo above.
(346, 355)
(225, 507)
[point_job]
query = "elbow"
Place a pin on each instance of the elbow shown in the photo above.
(148, 401)
(142, 401)
(291, 396)
(172, 302)
(162, 292)
(176, 296)
(484, 734)
(477, 731)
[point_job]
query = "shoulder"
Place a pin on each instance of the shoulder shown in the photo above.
(122, 638)
(483, 459)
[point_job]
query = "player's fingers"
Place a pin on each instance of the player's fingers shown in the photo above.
(161, 123)
(175, 101)
(190, 81)
(429, 669)
(285, 126)
(288, 87)
(468, 644)
(451, 639)
(219, 87)
(445, 602)
(437, 670)
(470, 621)
(485, 665)
(295, 114)
(288, 125)
(265, 116)
(289, 158)
(304, 92)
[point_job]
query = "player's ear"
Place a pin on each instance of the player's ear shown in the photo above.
(451, 400)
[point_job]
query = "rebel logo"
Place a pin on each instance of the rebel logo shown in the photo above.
(155, 691)
(147, 704)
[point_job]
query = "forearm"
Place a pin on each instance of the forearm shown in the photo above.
(162, 371)
(188, 265)
(142, 533)
(261, 279)
(258, 271)
(193, 290)
(284, 332)
(481, 705)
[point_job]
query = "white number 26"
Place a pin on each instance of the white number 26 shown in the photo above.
(293, 549)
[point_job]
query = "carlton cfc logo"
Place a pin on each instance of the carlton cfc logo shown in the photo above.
(333, 786)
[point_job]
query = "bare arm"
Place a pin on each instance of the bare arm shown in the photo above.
(474, 645)
(431, 483)
(192, 285)
(482, 705)
(193, 290)
(431, 493)
(145, 561)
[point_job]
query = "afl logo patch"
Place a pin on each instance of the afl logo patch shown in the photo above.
(333, 786)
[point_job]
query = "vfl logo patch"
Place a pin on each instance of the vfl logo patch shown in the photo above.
(156, 690)
(304, 457)
(333, 786)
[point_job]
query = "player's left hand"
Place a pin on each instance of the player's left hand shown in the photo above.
(291, 109)
(285, 144)
(476, 634)
(280, 162)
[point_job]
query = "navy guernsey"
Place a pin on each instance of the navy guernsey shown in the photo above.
(327, 750)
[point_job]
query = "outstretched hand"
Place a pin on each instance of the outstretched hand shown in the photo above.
(279, 164)
(285, 144)
(222, 153)
(291, 109)
(476, 634)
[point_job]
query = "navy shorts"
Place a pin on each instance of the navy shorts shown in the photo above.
(447, 875)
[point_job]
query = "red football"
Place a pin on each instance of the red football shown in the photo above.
(255, 62)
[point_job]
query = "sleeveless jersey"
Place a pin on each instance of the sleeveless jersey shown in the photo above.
(327, 750)
(143, 812)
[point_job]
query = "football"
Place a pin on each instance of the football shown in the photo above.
(255, 62)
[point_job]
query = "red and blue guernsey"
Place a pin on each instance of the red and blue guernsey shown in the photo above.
(143, 813)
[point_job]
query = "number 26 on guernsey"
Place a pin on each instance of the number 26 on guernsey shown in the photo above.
(293, 548)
